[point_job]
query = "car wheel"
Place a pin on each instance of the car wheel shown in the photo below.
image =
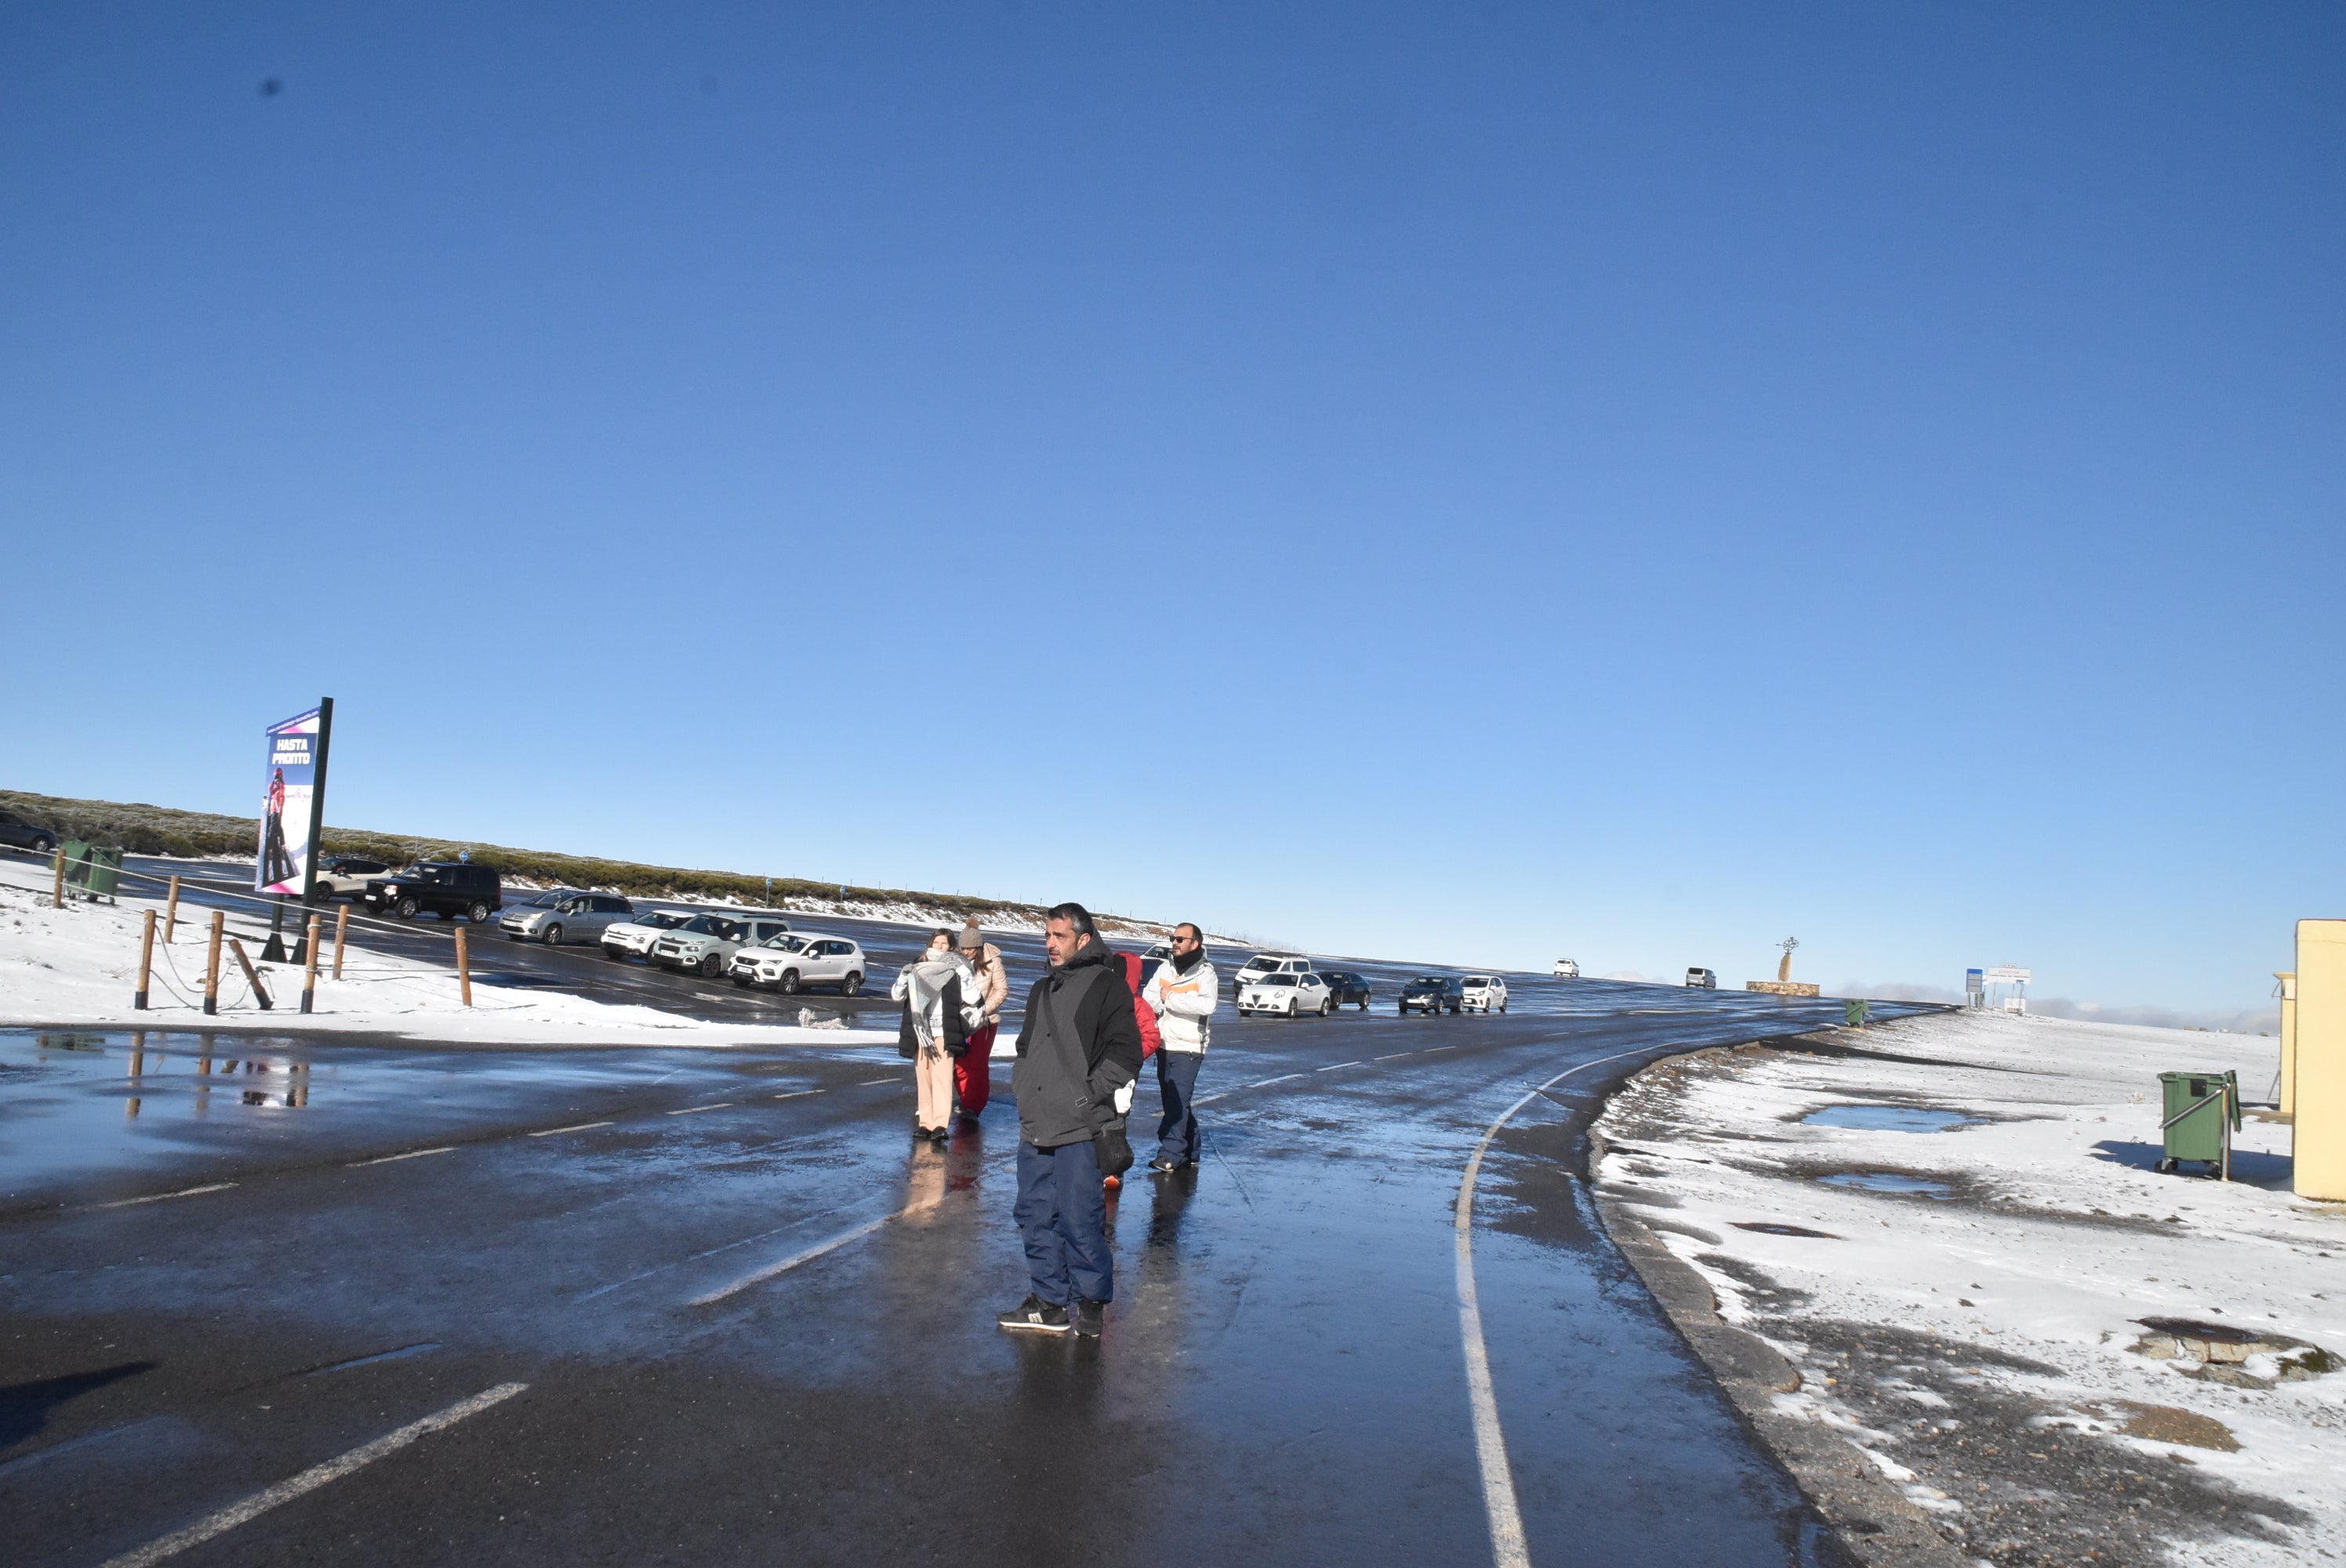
(407, 908)
(43, 844)
(1503, 1007)
(712, 966)
(852, 984)
(1327, 1005)
(478, 913)
(551, 936)
(1364, 1005)
(790, 985)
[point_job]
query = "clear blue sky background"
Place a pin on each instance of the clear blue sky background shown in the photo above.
(1471, 482)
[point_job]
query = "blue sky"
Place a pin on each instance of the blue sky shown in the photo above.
(1472, 481)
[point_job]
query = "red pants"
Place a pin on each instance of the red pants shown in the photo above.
(974, 1071)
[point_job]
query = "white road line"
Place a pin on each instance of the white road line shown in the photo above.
(1507, 1548)
(691, 1110)
(574, 1128)
(1338, 1067)
(1430, 1050)
(794, 1093)
(1267, 1083)
(159, 1197)
(1394, 1057)
(869, 1081)
(310, 1480)
(759, 1275)
(409, 1155)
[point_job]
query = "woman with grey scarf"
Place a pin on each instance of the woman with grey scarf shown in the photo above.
(943, 1002)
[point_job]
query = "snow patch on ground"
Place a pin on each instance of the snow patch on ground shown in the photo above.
(79, 965)
(2001, 1289)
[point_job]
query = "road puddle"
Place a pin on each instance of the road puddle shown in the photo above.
(1890, 1182)
(1888, 1119)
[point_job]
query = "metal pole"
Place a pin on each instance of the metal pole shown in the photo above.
(463, 968)
(145, 962)
(211, 965)
(171, 912)
(309, 967)
(317, 812)
(274, 950)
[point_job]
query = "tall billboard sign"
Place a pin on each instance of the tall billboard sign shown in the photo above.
(293, 801)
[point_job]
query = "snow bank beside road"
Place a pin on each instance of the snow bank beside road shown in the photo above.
(1964, 1307)
(79, 964)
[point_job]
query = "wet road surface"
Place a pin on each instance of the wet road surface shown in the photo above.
(685, 1306)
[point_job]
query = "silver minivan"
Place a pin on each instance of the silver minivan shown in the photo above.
(1702, 980)
(574, 917)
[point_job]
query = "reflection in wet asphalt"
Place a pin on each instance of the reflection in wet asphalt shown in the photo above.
(762, 1330)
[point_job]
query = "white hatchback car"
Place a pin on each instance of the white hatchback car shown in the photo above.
(1565, 969)
(794, 961)
(1286, 994)
(1264, 963)
(1485, 993)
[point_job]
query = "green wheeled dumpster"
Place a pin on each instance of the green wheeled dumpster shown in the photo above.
(92, 871)
(2202, 1111)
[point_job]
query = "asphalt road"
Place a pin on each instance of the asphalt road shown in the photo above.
(702, 1307)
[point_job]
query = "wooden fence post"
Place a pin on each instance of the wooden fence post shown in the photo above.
(309, 966)
(171, 914)
(251, 975)
(145, 961)
(342, 935)
(463, 968)
(57, 892)
(211, 965)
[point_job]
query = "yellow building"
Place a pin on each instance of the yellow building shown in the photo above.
(2319, 1031)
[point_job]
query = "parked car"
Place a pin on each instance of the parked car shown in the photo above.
(1286, 995)
(1702, 980)
(444, 888)
(530, 905)
(346, 876)
(1264, 963)
(792, 961)
(708, 942)
(1346, 987)
(1482, 994)
(14, 829)
(1432, 993)
(633, 938)
(570, 917)
(1566, 970)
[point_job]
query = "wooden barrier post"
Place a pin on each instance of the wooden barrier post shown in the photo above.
(211, 963)
(171, 915)
(309, 966)
(251, 975)
(463, 968)
(342, 935)
(145, 962)
(57, 892)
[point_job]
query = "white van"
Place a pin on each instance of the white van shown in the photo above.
(1702, 980)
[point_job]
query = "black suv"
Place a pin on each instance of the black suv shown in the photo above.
(1345, 986)
(14, 829)
(1433, 995)
(446, 888)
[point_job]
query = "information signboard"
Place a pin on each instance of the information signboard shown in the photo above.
(293, 797)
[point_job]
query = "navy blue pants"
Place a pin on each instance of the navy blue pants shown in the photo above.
(1063, 1218)
(1177, 1079)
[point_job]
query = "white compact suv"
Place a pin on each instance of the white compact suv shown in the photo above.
(1264, 963)
(1566, 970)
(795, 959)
(1286, 994)
(1485, 993)
(708, 943)
(633, 937)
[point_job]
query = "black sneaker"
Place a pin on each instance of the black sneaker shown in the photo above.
(1036, 1316)
(1088, 1316)
(1161, 1163)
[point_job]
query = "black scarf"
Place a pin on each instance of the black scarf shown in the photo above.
(1184, 962)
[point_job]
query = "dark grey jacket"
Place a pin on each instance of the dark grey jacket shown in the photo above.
(1078, 1046)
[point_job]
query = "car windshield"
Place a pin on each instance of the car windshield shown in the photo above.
(1425, 984)
(1276, 979)
(543, 900)
(1477, 984)
(706, 925)
(785, 942)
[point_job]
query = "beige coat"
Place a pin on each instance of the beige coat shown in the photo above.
(996, 982)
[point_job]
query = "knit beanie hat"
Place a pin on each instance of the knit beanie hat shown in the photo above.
(972, 939)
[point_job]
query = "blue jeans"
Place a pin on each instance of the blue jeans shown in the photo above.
(1177, 1079)
(1062, 1214)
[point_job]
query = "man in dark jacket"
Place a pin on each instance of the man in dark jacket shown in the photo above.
(1078, 1046)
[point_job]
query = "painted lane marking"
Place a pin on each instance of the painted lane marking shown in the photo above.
(1394, 1057)
(694, 1257)
(409, 1155)
(869, 1081)
(794, 1093)
(759, 1275)
(1430, 1050)
(574, 1128)
(1506, 1520)
(1266, 1083)
(310, 1480)
(694, 1110)
(159, 1197)
(1337, 1068)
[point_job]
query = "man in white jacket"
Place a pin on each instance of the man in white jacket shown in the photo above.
(1183, 993)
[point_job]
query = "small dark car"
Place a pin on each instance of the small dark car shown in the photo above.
(444, 888)
(1432, 994)
(1344, 988)
(14, 829)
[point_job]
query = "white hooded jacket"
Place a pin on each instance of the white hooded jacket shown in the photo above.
(1183, 1002)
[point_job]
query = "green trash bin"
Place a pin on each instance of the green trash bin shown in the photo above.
(91, 872)
(2202, 1111)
